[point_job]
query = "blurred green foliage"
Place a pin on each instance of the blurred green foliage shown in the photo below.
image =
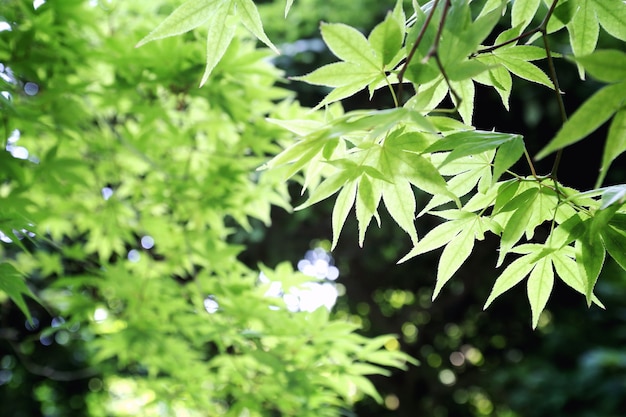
(93, 126)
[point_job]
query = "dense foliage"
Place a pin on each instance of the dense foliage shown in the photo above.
(123, 185)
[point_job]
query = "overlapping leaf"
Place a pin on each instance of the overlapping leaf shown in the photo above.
(364, 61)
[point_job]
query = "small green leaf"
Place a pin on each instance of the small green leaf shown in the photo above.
(612, 16)
(439, 236)
(539, 287)
(525, 70)
(249, 15)
(517, 224)
(607, 65)
(506, 155)
(562, 15)
(467, 69)
(343, 204)
(327, 188)
(512, 275)
(221, 33)
(471, 142)
(590, 255)
(400, 203)
(365, 385)
(522, 13)
(525, 53)
(466, 90)
(13, 285)
(398, 14)
(614, 240)
(348, 44)
(614, 195)
(368, 197)
(615, 143)
(186, 17)
(343, 92)
(338, 74)
(588, 117)
(453, 256)
(583, 31)
(288, 5)
(386, 40)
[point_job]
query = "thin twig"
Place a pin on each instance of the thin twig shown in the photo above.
(416, 44)
(555, 82)
(541, 28)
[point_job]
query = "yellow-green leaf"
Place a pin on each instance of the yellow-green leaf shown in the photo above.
(249, 15)
(348, 44)
(588, 117)
(343, 204)
(539, 287)
(186, 17)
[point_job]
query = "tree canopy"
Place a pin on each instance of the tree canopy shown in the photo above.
(145, 143)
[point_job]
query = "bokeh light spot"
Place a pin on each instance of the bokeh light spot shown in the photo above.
(147, 242)
(447, 377)
(392, 402)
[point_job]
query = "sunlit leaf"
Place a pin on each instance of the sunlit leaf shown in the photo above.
(400, 203)
(607, 65)
(186, 17)
(512, 275)
(288, 4)
(453, 256)
(13, 285)
(588, 117)
(342, 207)
(249, 15)
(348, 44)
(386, 39)
(539, 287)
(522, 13)
(466, 91)
(614, 240)
(584, 30)
(525, 70)
(590, 255)
(615, 144)
(612, 16)
(439, 236)
(220, 34)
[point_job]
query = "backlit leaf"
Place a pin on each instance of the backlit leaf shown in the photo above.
(512, 275)
(614, 240)
(348, 44)
(615, 143)
(186, 17)
(13, 285)
(343, 204)
(453, 256)
(525, 70)
(249, 15)
(607, 65)
(590, 255)
(439, 236)
(400, 203)
(612, 16)
(386, 39)
(220, 34)
(522, 12)
(584, 30)
(539, 287)
(588, 117)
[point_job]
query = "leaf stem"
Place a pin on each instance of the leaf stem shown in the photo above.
(530, 163)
